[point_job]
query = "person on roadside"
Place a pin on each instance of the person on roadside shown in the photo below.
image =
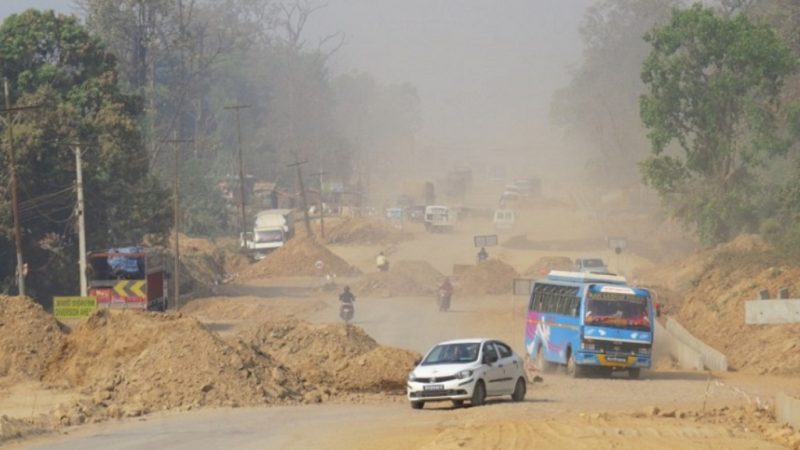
(382, 262)
(483, 255)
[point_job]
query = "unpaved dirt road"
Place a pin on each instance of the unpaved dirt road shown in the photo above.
(559, 413)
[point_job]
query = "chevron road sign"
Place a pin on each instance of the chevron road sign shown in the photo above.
(131, 288)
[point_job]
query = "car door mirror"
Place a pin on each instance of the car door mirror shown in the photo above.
(417, 361)
(489, 358)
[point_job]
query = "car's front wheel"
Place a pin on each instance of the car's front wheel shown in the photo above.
(417, 405)
(519, 390)
(479, 394)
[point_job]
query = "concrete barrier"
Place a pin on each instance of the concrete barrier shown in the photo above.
(712, 359)
(667, 344)
(787, 410)
(763, 312)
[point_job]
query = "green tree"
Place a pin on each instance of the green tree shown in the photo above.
(52, 61)
(713, 85)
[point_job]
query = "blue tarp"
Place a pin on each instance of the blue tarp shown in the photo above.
(127, 264)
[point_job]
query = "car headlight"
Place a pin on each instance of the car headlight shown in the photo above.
(412, 377)
(464, 374)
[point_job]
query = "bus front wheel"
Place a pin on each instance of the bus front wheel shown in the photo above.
(633, 373)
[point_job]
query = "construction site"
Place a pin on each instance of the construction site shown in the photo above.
(265, 349)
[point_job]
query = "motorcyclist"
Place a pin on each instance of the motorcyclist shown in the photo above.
(483, 255)
(445, 293)
(346, 310)
(382, 263)
(347, 297)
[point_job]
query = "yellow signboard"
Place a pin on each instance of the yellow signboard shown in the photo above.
(73, 307)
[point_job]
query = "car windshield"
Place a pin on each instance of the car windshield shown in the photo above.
(624, 311)
(452, 354)
(593, 263)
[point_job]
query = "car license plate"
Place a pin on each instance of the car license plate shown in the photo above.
(433, 387)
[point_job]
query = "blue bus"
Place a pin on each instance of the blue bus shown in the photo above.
(589, 322)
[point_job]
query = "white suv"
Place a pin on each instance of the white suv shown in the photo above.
(467, 369)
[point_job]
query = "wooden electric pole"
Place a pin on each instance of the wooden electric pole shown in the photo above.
(176, 274)
(297, 164)
(321, 204)
(12, 164)
(243, 214)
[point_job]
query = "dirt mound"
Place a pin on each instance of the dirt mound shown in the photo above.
(30, 338)
(490, 277)
(132, 363)
(545, 264)
(298, 258)
(403, 278)
(339, 357)
(365, 231)
(707, 292)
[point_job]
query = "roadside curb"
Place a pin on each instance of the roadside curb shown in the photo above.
(787, 410)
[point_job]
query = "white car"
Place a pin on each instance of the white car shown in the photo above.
(467, 369)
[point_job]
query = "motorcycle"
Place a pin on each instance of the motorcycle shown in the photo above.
(444, 300)
(346, 312)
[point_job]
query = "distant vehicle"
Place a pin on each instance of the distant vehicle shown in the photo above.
(511, 194)
(588, 321)
(440, 218)
(528, 187)
(416, 213)
(128, 278)
(273, 227)
(504, 219)
(595, 265)
(467, 369)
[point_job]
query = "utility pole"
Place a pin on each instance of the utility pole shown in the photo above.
(176, 274)
(243, 216)
(302, 187)
(81, 221)
(12, 163)
(321, 204)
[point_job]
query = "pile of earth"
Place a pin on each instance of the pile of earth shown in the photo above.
(545, 264)
(338, 357)
(403, 278)
(30, 338)
(299, 257)
(205, 263)
(709, 290)
(365, 231)
(131, 363)
(488, 278)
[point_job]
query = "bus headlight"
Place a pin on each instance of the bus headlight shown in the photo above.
(645, 350)
(587, 346)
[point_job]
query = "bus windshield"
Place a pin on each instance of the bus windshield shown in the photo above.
(617, 310)
(265, 237)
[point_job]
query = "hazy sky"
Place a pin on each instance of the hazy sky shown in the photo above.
(485, 70)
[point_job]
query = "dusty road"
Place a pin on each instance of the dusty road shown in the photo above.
(559, 413)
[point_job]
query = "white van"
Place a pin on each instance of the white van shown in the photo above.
(504, 219)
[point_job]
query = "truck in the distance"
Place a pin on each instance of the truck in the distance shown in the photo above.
(272, 228)
(440, 218)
